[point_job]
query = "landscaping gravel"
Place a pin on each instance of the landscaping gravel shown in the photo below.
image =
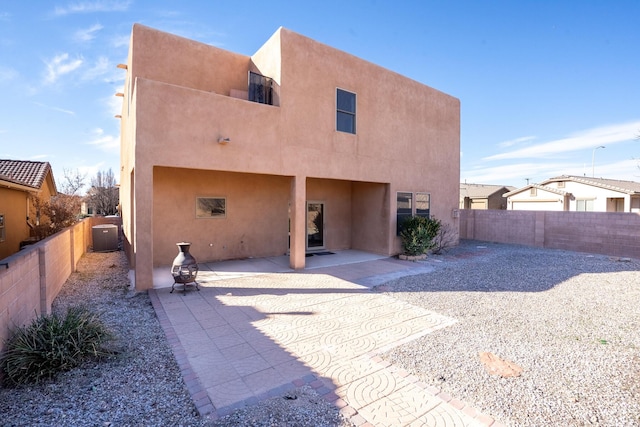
(570, 320)
(142, 385)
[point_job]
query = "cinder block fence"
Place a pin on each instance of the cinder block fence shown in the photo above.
(32, 278)
(608, 233)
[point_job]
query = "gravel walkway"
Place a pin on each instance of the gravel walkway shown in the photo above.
(570, 320)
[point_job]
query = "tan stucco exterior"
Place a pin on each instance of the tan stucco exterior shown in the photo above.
(182, 97)
(18, 211)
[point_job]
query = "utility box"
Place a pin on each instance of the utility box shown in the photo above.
(105, 238)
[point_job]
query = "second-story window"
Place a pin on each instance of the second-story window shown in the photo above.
(346, 111)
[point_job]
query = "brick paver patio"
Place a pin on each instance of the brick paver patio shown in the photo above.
(253, 334)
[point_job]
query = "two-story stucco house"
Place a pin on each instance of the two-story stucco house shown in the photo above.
(20, 182)
(577, 193)
(296, 148)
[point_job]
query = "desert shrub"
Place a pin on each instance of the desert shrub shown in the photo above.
(445, 239)
(418, 234)
(52, 344)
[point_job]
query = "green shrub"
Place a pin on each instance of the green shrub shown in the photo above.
(52, 344)
(418, 234)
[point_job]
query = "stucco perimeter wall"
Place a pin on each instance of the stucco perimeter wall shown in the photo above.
(608, 233)
(31, 279)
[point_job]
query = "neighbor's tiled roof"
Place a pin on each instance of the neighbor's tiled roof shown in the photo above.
(477, 191)
(24, 172)
(629, 187)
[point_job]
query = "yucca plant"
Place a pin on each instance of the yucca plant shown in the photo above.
(418, 234)
(52, 344)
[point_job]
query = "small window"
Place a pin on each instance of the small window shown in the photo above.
(346, 111)
(584, 205)
(423, 201)
(533, 192)
(404, 209)
(211, 207)
(2, 228)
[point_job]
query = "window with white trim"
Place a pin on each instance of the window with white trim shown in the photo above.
(2, 237)
(584, 205)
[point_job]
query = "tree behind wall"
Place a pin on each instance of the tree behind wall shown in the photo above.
(103, 195)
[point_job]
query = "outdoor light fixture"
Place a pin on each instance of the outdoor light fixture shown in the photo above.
(123, 66)
(222, 140)
(120, 94)
(118, 116)
(593, 158)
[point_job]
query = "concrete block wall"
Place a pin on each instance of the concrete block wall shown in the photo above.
(31, 279)
(55, 266)
(19, 291)
(608, 233)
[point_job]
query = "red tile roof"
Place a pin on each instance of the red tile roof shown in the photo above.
(25, 172)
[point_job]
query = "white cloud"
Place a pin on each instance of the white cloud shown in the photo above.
(121, 41)
(87, 34)
(589, 138)
(114, 103)
(7, 74)
(516, 141)
(513, 174)
(107, 143)
(59, 66)
(100, 68)
(92, 7)
(517, 174)
(61, 110)
(5, 16)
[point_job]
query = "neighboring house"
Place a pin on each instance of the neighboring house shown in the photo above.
(20, 182)
(298, 148)
(577, 193)
(483, 196)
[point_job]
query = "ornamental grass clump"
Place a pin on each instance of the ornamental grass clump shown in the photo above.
(52, 344)
(418, 234)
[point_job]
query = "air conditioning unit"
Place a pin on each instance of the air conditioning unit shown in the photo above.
(105, 238)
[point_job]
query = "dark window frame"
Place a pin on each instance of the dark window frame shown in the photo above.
(211, 207)
(260, 88)
(416, 206)
(346, 107)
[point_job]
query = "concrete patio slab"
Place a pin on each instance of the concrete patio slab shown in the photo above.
(264, 329)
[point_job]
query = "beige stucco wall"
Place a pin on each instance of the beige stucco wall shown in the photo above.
(16, 205)
(13, 205)
(407, 139)
(255, 225)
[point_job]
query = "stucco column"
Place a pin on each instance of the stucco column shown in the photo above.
(143, 230)
(298, 227)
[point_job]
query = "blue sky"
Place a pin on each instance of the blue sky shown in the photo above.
(541, 83)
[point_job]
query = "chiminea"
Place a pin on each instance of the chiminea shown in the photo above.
(184, 268)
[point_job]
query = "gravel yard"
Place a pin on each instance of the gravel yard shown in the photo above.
(570, 320)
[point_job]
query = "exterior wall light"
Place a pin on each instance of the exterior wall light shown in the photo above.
(222, 140)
